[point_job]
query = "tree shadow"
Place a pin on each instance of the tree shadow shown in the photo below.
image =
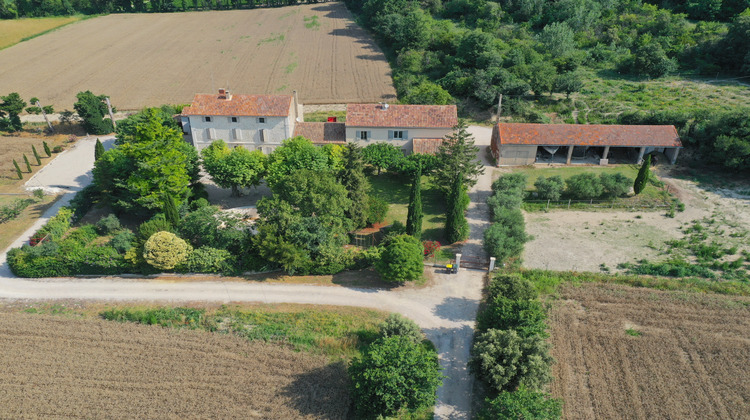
(321, 393)
(457, 309)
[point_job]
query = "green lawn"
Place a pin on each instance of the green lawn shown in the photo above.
(395, 190)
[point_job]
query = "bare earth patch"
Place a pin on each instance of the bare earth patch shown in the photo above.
(152, 59)
(62, 367)
(633, 353)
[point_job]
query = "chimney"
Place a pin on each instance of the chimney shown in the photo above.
(383, 106)
(296, 104)
(224, 94)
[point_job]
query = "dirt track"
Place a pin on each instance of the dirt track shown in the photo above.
(61, 367)
(153, 59)
(689, 361)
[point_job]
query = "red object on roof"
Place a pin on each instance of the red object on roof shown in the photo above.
(332, 119)
(427, 146)
(321, 132)
(589, 135)
(239, 105)
(406, 116)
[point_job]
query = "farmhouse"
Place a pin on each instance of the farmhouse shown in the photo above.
(255, 122)
(410, 127)
(525, 144)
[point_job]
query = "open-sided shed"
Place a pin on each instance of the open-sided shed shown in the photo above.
(522, 144)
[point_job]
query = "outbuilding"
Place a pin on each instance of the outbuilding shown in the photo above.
(525, 144)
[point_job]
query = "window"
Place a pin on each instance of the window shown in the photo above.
(398, 134)
(207, 119)
(233, 119)
(363, 135)
(261, 120)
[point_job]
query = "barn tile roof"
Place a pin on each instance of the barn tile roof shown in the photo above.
(406, 116)
(427, 146)
(321, 132)
(240, 105)
(589, 135)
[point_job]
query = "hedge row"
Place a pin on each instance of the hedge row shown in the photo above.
(506, 237)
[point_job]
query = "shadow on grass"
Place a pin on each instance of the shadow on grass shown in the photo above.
(321, 393)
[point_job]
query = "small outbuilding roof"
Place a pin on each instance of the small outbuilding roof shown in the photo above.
(427, 146)
(321, 132)
(589, 135)
(228, 104)
(396, 116)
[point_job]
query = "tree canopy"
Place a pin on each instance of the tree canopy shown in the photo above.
(236, 168)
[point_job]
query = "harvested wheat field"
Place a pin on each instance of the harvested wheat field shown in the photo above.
(626, 353)
(73, 368)
(153, 59)
(13, 31)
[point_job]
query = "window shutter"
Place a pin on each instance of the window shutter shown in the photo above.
(237, 134)
(357, 135)
(369, 135)
(405, 134)
(390, 134)
(263, 135)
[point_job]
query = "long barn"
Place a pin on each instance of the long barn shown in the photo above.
(525, 144)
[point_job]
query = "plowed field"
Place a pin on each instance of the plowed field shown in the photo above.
(152, 59)
(625, 353)
(56, 367)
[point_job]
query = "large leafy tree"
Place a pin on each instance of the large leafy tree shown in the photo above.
(92, 109)
(12, 105)
(236, 168)
(148, 165)
(352, 177)
(401, 259)
(394, 373)
(382, 156)
(295, 154)
(457, 158)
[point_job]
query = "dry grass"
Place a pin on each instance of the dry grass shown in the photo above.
(14, 147)
(12, 229)
(81, 368)
(153, 59)
(15, 30)
(640, 354)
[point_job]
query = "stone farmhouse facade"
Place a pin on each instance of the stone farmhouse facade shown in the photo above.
(263, 122)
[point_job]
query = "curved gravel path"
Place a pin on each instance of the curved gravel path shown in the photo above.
(446, 310)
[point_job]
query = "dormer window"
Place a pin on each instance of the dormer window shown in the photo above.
(207, 119)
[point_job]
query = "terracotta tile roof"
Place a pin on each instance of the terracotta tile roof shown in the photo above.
(589, 135)
(407, 116)
(240, 105)
(427, 146)
(321, 132)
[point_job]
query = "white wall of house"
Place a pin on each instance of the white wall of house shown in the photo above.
(380, 135)
(245, 132)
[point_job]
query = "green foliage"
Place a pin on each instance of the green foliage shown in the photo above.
(148, 228)
(208, 260)
(521, 404)
(352, 177)
(505, 360)
(18, 170)
(394, 374)
(569, 82)
(236, 168)
(414, 214)
(401, 259)
(382, 155)
(209, 227)
(12, 210)
(36, 155)
(615, 185)
(108, 225)
(505, 241)
(376, 210)
(293, 155)
(92, 109)
(584, 186)
(641, 180)
(457, 159)
(46, 149)
(314, 192)
(11, 105)
(549, 188)
(511, 304)
(650, 59)
(456, 226)
(164, 250)
(170, 210)
(26, 161)
(397, 325)
(165, 317)
(123, 241)
(98, 150)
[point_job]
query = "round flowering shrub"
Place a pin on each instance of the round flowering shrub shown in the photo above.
(164, 250)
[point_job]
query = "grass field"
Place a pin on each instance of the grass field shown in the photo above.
(61, 360)
(13, 31)
(633, 353)
(152, 59)
(395, 191)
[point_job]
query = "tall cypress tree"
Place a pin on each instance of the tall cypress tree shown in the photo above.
(47, 151)
(641, 180)
(18, 170)
(352, 177)
(414, 216)
(36, 155)
(170, 211)
(28, 165)
(98, 150)
(456, 226)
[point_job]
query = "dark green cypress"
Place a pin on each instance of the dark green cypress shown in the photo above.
(46, 149)
(641, 180)
(18, 170)
(414, 215)
(98, 150)
(170, 211)
(28, 165)
(36, 155)
(352, 177)
(456, 226)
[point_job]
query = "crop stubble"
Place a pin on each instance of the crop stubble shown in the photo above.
(689, 361)
(153, 59)
(63, 367)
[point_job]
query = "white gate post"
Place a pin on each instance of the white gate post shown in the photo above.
(492, 263)
(458, 262)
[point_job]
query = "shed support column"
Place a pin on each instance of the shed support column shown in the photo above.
(570, 155)
(606, 152)
(640, 155)
(673, 158)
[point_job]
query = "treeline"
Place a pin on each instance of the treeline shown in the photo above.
(11, 9)
(474, 50)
